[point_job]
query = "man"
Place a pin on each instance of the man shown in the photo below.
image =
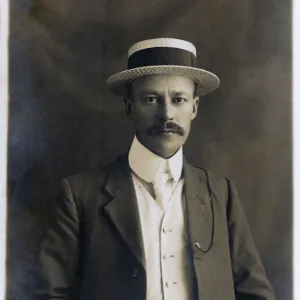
(151, 226)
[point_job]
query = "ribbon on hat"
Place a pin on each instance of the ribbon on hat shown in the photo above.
(161, 56)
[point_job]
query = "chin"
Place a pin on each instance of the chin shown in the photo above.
(167, 144)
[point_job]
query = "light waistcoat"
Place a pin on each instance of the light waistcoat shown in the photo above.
(168, 266)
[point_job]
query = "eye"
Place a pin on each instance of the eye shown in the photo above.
(151, 99)
(179, 100)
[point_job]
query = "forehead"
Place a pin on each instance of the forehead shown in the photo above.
(161, 83)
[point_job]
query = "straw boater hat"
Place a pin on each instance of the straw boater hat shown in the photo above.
(162, 56)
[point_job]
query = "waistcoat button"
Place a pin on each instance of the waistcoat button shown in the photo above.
(167, 256)
(170, 283)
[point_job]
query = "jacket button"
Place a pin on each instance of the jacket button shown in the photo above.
(134, 273)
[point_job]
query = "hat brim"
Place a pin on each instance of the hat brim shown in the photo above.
(206, 81)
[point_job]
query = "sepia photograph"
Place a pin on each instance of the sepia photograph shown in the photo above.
(149, 150)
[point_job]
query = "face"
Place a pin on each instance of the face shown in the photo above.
(162, 108)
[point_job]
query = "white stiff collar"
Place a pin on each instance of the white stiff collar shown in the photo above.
(147, 164)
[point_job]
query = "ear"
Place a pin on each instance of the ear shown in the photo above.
(128, 107)
(195, 107)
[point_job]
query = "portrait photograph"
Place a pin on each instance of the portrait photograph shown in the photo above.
(149, 150)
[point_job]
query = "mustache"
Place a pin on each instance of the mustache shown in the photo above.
(163, 127)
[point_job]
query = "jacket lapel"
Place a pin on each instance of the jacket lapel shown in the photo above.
(199, 209)
(123, 209)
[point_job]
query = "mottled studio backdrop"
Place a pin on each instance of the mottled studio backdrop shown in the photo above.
(63, 120)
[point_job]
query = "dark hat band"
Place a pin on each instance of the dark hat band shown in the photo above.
(161, 56)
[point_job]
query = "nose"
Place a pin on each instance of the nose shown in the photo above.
(167, 110)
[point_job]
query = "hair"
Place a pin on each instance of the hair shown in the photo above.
(195, 94)
(129, 90)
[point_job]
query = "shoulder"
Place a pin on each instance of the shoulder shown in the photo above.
(213, 177)
(91, 180)
(88, 177)
(218, 185)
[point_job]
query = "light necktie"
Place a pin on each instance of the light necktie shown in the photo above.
(162, 185)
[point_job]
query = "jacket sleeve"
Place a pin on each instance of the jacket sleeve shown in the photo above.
(54, 268)
(249, 274)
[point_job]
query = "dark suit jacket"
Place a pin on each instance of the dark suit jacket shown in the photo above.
(93, 247)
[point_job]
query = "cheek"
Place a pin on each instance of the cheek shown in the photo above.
(144, 117)
(144, 113)
(185, 115)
